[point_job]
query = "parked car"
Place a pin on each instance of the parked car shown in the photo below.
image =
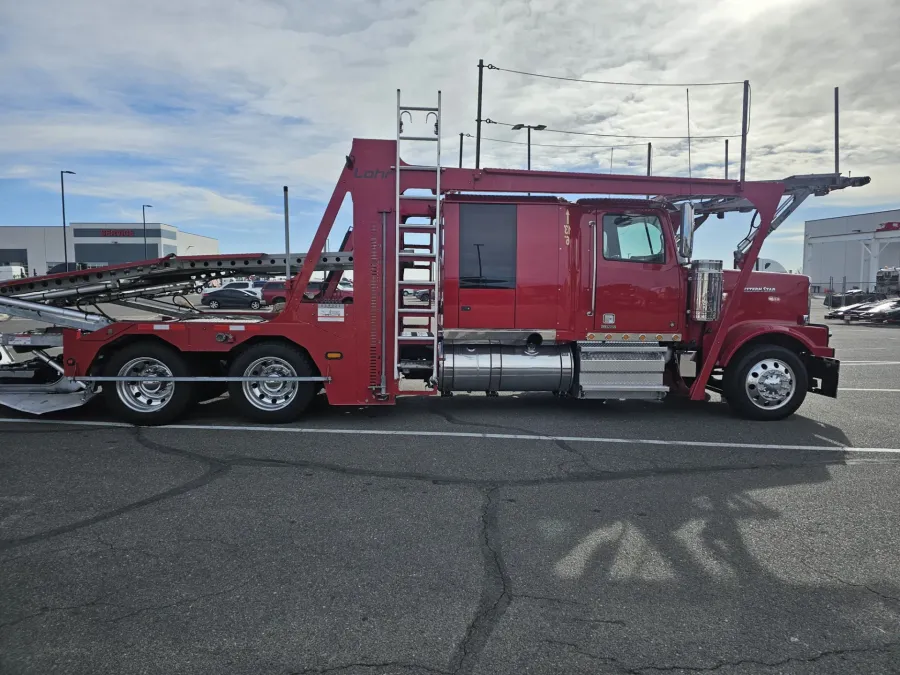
(880, 312)
(274, 292)
(840, 311)
(236, 286)
(853, 296)
(232, 298)
(277, 291)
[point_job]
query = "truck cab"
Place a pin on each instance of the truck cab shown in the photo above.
(552, 266)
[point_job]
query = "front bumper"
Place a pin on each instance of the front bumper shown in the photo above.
(823, 375)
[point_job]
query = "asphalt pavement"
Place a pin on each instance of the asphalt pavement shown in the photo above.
(518, 534)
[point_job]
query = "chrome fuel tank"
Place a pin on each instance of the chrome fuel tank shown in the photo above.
(478, 367)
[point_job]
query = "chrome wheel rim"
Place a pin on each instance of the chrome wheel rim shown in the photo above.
(268, 393)
(149, 395)
(770, 384)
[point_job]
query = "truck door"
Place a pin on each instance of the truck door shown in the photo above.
(639, 280)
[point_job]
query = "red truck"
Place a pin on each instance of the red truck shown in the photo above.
(277, 292)
(591, 298)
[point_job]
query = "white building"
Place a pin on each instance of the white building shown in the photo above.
(96, 244)
(850, 247)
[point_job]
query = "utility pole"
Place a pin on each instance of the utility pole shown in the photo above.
(478, 116)
(460, 149)
(62, 193)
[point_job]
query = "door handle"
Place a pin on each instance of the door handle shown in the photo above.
(465, 308)
(593, 225)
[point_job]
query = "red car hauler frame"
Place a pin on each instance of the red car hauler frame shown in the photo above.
(592, 298)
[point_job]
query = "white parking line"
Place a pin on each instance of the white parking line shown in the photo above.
(463, 434)
(842, 389)
(870, 363)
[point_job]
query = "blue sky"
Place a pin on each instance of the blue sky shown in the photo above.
(205, 109)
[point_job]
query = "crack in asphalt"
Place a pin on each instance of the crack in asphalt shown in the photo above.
(610, 622)
(50, 610)
(582, 457)
(97, 602)
(177, 603)
(643, 670)
(579, 650)
(495, 592)
(885, 648)
(217, 468)
(403, 665)
(881, 595)
(547, 598)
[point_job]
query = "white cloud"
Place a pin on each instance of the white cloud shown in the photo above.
(248, 95)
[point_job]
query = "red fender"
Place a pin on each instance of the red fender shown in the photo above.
(813, 338)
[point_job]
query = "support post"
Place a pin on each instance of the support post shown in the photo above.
(478, 118)
(837, 128)
(744, 124)
(726, 159)
(287, 237)
(649, 158)
(460, 149)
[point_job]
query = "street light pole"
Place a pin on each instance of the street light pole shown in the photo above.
(62, 193)
(144, 208)
(536, 127)
(529, 148)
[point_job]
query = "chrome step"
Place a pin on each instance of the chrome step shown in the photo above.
(621, 370)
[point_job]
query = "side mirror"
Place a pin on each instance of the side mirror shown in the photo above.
(686, 231)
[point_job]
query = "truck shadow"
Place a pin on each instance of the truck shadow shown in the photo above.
(540, 413)
(706, 574)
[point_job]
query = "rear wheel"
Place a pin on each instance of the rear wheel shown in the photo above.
(254, 304)
(147, 402)
(766, 383)
(267, 399)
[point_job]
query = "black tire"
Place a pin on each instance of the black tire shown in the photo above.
(254, 304)
(750, 365)
(176, 403)
(214, 304)
(281, 354)
(279, 301)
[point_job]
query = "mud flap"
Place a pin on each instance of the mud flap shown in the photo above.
(823, 375)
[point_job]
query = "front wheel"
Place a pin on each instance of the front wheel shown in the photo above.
(147, 402)
(214, 304)
(266, 398)
(766, 383)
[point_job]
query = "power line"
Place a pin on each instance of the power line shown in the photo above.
(491, 66)
(551, 145)
(586, 133)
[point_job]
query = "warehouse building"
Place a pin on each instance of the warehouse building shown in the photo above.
(39, 249)
(849, 250)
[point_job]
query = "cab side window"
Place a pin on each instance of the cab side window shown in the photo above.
(633, 238)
